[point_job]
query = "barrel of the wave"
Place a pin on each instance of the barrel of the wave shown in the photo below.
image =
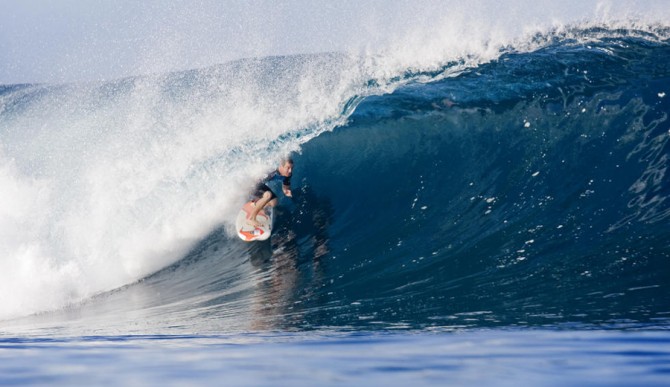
(249, 232)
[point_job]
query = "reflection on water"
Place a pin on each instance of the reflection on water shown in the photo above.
(289, 264)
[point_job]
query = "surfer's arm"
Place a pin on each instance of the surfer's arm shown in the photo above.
(286, 186)
(287, 190)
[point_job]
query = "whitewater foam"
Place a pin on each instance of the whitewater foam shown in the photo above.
(109, 183)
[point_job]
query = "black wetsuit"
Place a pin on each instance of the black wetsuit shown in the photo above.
(262, 187)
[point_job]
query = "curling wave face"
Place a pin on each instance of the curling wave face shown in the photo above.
(526, 189)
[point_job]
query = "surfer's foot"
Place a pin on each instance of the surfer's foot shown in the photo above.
(254, 222)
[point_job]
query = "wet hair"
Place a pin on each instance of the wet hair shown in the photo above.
(285, 160)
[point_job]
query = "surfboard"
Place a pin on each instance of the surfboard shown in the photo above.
(246, 231)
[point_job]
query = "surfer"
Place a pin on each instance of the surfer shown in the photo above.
(265, 195)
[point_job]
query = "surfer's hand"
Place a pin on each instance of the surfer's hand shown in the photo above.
(288, 193)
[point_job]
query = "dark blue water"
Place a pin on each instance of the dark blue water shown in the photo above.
(504, 358)
(533, 190)
(505, 223)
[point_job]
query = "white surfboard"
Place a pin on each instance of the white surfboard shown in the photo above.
(246, 231)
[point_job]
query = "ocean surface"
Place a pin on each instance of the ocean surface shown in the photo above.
(477, 219)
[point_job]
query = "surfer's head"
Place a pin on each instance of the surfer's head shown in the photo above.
(286, 166)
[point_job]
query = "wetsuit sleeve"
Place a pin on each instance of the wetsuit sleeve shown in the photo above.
(287, 180)
(270, 177)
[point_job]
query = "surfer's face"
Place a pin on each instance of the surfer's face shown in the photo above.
(286, 169)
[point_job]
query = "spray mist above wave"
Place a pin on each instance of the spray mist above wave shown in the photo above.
(107, 183)
(92, 41)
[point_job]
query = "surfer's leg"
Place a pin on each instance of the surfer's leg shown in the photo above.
(266, 198)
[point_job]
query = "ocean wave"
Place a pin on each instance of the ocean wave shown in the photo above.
(513, 184)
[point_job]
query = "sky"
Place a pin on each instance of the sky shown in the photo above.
(80, 40)
(66, 40)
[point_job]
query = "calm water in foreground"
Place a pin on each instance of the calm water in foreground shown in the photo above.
(495, 357)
